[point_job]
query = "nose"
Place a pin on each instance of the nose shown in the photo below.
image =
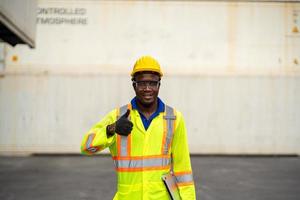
(147, 87)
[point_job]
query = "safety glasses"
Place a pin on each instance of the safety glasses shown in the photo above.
(145, 84)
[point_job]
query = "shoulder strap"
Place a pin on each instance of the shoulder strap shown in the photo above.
(122, 110)
(169, 113)
(169, 126)
(123, 142)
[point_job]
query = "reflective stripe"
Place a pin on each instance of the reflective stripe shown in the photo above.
(89, 141)
(184, 178)
(152, 162)
(89, 144)
(122, 111)
(123, 141)
(123, 145)
(169, 129)
(126, 164)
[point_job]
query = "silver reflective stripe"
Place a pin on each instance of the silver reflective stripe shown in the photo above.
(123, 110)
(170, 117)
(124, 144)
(89, 141)
(151, 162)
(184, 178)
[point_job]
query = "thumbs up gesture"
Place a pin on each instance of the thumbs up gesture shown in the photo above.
(123, 126)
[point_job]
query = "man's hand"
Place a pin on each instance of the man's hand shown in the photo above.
(122, 126)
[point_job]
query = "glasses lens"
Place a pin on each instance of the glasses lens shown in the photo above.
(144, 84)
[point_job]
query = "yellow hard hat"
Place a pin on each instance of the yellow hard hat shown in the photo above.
(146, 63)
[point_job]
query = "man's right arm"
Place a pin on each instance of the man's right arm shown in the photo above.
(99, 137)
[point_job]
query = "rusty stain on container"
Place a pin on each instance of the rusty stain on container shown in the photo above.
(15, 58)
(295, 29)
(296, 61)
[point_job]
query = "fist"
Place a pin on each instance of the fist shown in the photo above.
(123, 125)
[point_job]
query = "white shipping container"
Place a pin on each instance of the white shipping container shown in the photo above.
(232, 69)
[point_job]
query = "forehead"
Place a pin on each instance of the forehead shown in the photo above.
(147, 76)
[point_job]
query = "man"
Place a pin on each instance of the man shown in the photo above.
(146, 139)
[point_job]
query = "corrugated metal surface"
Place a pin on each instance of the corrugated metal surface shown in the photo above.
(231, 68)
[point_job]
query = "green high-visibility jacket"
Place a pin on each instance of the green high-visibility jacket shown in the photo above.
(142, 157)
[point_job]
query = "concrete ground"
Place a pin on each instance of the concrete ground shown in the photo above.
(79, 177)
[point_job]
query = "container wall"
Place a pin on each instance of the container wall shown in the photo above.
(232, 69)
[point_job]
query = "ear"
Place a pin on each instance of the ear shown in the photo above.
(133, 85)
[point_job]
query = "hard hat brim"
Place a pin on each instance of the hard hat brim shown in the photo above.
(147, 70)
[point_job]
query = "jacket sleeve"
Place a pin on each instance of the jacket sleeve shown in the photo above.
(181, 161)
(95, 139)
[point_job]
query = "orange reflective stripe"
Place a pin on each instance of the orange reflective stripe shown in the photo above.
(118, 144)
(129, 136)
(138, 169)
(129, 144)
(182, 173)
(185, 183)
(117, 136)
(139, 157)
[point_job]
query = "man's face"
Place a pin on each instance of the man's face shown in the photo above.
(146, 86)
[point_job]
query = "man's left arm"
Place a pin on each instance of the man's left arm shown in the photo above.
(181, 160)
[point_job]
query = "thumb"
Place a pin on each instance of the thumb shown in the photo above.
(126, 114)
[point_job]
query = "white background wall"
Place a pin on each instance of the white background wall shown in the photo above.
(231, 68)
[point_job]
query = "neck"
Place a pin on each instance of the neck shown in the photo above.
(147, 110)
